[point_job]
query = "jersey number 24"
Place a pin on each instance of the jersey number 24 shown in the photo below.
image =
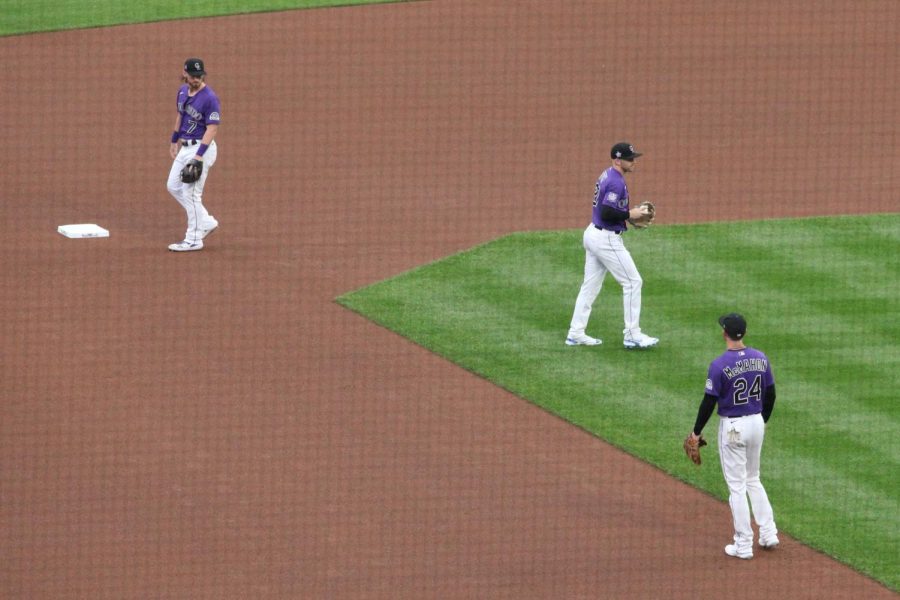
(744, 392)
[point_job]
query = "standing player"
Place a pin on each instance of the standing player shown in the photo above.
(605, 251)
(741, 383)
(193, 142)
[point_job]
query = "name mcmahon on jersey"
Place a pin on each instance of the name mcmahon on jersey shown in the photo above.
(746, 365)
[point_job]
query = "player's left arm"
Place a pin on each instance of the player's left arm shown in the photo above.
(208, 136)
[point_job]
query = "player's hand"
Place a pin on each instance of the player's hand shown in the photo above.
(638, 212)
(173, 150)
(692, 444)
(642, 215)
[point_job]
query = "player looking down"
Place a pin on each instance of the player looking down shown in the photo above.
(193, 151)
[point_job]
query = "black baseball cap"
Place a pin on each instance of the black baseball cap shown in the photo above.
(623, 150)
(194, 67)
(734, 325)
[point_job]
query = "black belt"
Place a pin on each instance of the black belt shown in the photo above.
(609, 230)
(189, 142)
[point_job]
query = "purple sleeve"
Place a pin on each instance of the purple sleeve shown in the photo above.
(615, 196)
(211, 111)
(713, 386)
(179, 98)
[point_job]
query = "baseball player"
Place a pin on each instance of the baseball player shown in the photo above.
(605, 252)
(741, 383)
(193, 151)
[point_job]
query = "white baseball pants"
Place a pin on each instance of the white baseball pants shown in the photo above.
(740, 444)
(605, 252)
(190, 195)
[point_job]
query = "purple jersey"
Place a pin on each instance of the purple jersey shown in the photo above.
(611, 191)
(739, 378)
(197, 112)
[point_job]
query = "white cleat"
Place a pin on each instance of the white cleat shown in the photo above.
(640, 341)
(186, 246)
(732, 550)
(582, 340)
(213, 227)
(769, 543)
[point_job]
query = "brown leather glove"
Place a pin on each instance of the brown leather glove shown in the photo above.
(692, 445)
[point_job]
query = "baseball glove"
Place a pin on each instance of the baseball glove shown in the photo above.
(192, 171)
(647, 218)
(692, 445)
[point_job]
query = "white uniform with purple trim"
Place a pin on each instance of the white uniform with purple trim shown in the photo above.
(739, 378)
(606, 253)
(196, 112)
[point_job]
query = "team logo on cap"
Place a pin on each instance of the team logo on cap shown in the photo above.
(630, 152)
(196, 66)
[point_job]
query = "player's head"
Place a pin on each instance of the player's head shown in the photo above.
(194, 71)
(734, 326)
(623, 156)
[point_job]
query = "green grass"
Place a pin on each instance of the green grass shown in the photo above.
(27, 16)
(821, 298)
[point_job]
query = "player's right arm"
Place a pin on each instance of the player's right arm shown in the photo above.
(710, 398)
(768, 403)
(173, 147)
(707, 406)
